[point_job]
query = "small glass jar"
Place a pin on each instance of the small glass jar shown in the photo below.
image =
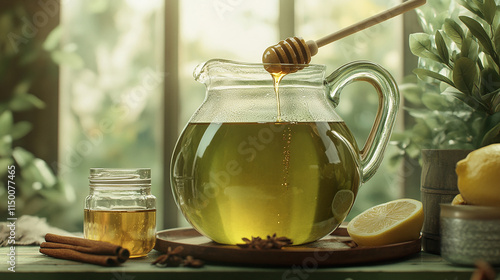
(120, 209)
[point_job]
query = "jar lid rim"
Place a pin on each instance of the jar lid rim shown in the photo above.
(469, 212)
(118, 181)
(120, 176)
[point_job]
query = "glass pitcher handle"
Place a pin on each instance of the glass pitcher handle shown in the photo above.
(373, 151)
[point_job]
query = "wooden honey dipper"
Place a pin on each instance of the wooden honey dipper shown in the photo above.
(295, 50)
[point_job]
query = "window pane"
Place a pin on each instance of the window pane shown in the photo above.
(381, 44)
(111, 86)
(236, 30)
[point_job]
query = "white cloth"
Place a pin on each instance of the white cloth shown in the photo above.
(29, 230)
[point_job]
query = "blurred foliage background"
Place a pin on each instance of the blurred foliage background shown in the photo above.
(37, 190)
(111, 77)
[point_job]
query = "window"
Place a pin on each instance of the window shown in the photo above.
(111, 87)
(230, 29)
(126, 85)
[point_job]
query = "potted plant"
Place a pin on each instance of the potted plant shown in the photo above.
(455, 103)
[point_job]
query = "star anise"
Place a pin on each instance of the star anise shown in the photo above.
(192, 262)
(272, 242)
(173, 259)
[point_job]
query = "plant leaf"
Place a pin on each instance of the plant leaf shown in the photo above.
(421, 130)
(466, 99)
(20, 129)
(25, 101)
(420, 42)
(67, 58)
(422, 73)
(489, 8)
(434, 101)
(496, 39)
(43, 173)
(22, 157)
(421, 45)
(53, 39)
(486, 62)
(5, 146)
(492, 129)
(6, 122)
(441, 47)
(487, 98)
(473, 9)
(491, 136)
(22, 87)
(454, 31)
(466, 47)
(479, 99)
(495, 102)
(490, 81)
(4, 162)
(464, 75)
(469, 49)
(478, 31)
(477, 123)
(418, 113)
(411, 93)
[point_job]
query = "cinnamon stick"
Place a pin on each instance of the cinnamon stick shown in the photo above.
(73, 255)
(84, 250)
(85, 245)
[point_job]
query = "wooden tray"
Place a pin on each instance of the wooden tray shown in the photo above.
(328, 251)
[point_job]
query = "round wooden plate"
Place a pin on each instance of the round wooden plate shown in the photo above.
(331, 250)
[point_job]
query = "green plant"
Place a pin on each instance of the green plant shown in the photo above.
(38, 191)
(456, 102)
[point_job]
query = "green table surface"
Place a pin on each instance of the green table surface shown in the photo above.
(30, 264)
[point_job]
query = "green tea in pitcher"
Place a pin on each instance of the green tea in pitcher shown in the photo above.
(235, 180)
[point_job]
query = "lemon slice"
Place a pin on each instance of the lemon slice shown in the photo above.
(341, 205)
(458, 200)
(392, 222)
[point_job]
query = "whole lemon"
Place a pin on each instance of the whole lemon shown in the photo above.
(479, 176)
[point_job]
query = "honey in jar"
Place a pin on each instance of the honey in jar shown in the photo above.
(121, 210)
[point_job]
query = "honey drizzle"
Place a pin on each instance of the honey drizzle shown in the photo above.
(287, 134)
(277, 77)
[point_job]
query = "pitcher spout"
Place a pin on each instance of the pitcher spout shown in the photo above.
(204, 71)
(200, 72)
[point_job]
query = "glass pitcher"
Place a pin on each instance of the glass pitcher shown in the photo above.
(252, 162)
